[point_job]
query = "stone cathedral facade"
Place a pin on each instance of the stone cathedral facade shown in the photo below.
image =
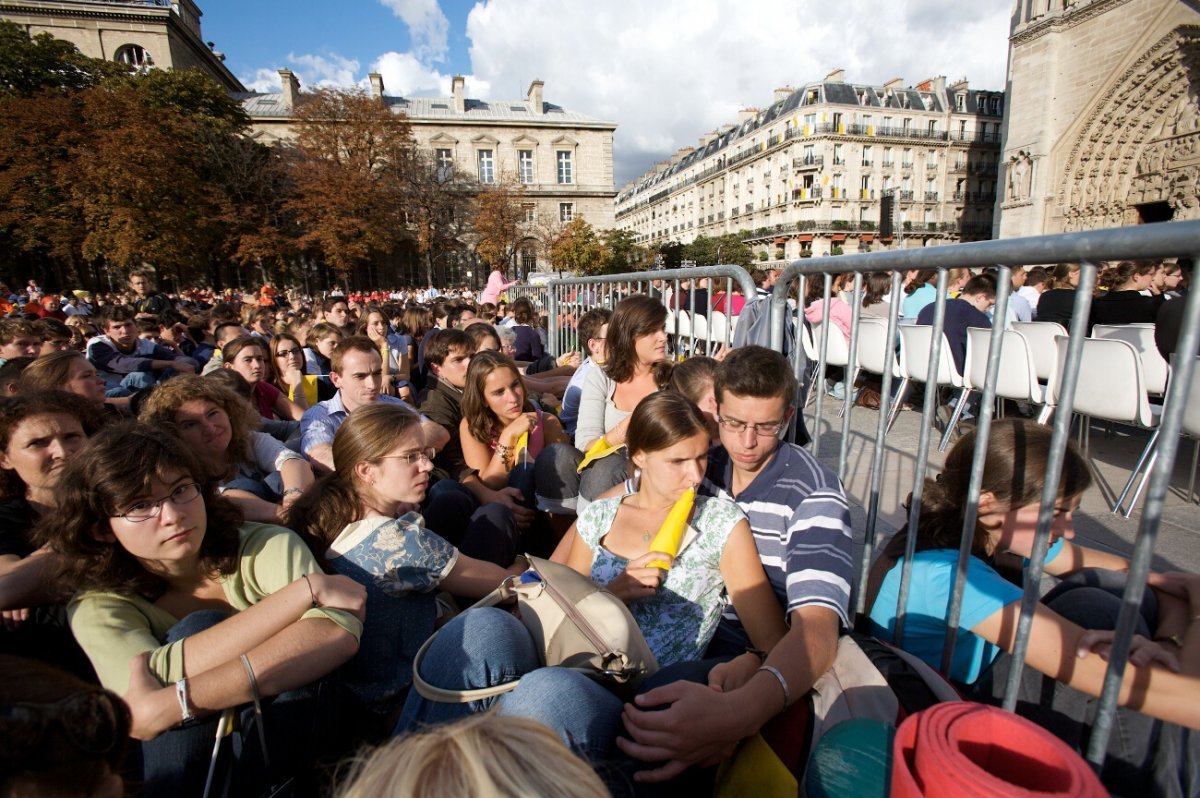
(1102, 127)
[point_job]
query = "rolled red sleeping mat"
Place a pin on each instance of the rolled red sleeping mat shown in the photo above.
(959, 748)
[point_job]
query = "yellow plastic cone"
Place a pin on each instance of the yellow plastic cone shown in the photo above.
(522, 445)
(670, 534)
(601, 448)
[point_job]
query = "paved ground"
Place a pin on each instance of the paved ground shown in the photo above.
(1112, 455)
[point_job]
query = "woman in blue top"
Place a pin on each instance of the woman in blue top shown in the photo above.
(1071, 626)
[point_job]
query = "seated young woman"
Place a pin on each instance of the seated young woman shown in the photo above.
(496, 416)
(322, 339)
(1162, 680)
(678, 609)
(252, 469)
(636, 340)
(374, 324)
(180, 602)
(362, 521)
(248, 356)
(39, 433)
(291, 373)
(72, 372)
(547, 389)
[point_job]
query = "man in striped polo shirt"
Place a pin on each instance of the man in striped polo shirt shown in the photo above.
(801, 522)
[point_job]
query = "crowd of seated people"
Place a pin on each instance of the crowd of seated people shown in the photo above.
(207, 505)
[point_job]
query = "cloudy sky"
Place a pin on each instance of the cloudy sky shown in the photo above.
(666, 71)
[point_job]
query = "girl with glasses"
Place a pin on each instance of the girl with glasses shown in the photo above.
(362, 520)
(173, 589)
(247, 356)
(291, 373)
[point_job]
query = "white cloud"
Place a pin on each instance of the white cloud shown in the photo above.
(670, 71)
(427, 25)
(314, 71)
(404, 75)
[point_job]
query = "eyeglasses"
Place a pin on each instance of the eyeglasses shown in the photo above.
(763, 430)
(286, 352)
(93, 721)
(413, 458)
(145, 510)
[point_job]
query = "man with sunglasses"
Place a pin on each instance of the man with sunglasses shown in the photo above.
(801, 523)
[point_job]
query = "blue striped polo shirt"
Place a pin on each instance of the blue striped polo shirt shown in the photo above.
(801, 523)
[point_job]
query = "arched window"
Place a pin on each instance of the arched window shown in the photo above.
(134, 55)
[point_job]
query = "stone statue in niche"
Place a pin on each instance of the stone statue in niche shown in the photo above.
(1020, 174)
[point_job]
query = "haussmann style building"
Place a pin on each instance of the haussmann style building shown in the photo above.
(1103, 125)
(807, 174)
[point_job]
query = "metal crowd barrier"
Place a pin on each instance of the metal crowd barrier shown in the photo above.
(1085, 248)
(535, 293)
(569, 298)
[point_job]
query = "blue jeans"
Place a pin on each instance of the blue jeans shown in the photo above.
(130, 384)
(485, 532)
(489, 646)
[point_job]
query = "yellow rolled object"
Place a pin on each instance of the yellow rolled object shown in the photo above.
(670, 534)
(522, 444)
(601, 448)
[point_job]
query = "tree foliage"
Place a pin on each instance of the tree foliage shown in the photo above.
(724, 249)
(438, 204)
(31, 65)
(499, 226)
(624, 253)
(352, 163)
(578, 249)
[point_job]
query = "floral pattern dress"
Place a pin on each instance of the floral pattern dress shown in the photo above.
(679, 620)
(401, 564)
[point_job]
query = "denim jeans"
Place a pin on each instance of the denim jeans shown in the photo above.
(488, 646)
(303, 726)
(130, 384)
(485, 532)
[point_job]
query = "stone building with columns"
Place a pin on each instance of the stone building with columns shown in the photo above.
(562, 159)
(142, 33)
(1102, 127)
(807, 174)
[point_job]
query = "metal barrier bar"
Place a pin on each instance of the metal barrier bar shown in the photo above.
(1170, 427)
(847, 377)
(609, 289)
(1060, 435)
(983, 428)
(922, 464)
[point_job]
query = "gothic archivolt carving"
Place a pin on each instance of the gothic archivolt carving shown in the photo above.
(1141, 143)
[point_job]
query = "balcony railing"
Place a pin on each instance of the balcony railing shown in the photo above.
(808, 161)
(806, 194)
(868, 164)
(905, 196)
(931, 196)
(839, 161)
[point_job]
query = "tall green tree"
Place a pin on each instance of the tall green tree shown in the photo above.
(30, 65)
(499, 223)
(624, 253)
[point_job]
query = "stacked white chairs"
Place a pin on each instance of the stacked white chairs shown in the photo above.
(1141, 336)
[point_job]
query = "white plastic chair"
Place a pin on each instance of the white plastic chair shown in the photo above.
(1016, 380)
(1191, 426)
(876, 351)
(1154, 367)
(718, 323)
(837, 353)
(1041, 335)
(915, 343)
(1111, 387)
(700, 331)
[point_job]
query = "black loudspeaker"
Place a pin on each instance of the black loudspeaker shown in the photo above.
(887, 208)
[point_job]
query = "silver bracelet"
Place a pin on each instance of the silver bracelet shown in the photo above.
(787, 694)
(185, 704)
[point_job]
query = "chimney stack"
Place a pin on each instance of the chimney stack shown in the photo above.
(291, 87)
(457, 85)
(376, 85)
(783, 92)
(745, 114)
(837, 76)
(535, 96)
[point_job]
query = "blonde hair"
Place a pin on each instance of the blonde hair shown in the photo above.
(480, 755)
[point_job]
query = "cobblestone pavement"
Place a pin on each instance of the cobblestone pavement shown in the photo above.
(1112, 453)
